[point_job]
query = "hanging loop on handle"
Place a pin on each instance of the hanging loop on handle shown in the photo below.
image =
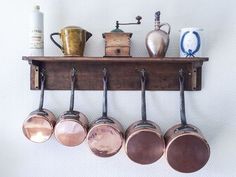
(72, 96)
(168, 27)
(42, 79)
(104, 106)
(143, 105)
(182, 101)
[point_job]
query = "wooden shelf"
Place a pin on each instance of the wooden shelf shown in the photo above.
(162, 73)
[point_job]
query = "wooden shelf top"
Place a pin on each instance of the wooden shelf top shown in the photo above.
(113, 59)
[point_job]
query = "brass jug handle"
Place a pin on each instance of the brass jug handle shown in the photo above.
(53, 40)
(88, 35)
(166, 24)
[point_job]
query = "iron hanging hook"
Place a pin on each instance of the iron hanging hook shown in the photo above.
(42, 74)
(143, 75)
(105, 77)
(73, 74)
(181, 76)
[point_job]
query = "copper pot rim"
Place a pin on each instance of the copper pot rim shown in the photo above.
(179, 125)
(121, 137)
(143, 130)
(71, 117)
(61, 120)
(39, 117)
(105, 119)
(187, 134)
(38, 141)
(107, 156)
(116, 124)
(142, 123)
(117, 129)
(23, 129)
(67, 112)
(43, 110)
(195, 134)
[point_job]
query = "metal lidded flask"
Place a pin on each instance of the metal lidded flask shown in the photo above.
(157, 40)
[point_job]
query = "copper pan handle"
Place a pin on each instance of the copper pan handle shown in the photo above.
(143, 105)
(72, 96)
(184, 124)
(104, 105)
(182, 101)
(42, 78)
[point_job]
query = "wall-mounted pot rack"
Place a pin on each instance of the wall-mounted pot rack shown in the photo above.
(162, 73)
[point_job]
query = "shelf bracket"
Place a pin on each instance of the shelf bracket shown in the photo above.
(35, 70)
(196, 75)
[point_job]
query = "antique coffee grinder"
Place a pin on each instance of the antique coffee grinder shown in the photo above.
(117, 42)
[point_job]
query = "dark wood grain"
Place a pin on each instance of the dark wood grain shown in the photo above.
(162, 73)
(114, 59)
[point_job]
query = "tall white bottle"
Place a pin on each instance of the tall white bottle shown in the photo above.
(36, 41)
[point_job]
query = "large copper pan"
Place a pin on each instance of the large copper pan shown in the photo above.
(144, 141)
(71, 128)
(186, 149)
(105, 137)
(39, 125)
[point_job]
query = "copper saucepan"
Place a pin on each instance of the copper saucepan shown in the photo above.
(186, 149)
(105, 137)
(39, 125)
(144, 141)
(71, 128)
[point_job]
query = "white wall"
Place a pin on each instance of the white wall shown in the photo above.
(212, 109)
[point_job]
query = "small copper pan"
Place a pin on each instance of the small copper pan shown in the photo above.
(144, 141)
(71, 128)
(105, 137)
(186, 149)
(39, 125)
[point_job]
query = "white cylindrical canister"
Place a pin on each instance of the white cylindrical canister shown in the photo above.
(36, 33)
(190, 44)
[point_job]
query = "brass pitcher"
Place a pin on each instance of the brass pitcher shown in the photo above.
(73, 40)
(157, 41)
